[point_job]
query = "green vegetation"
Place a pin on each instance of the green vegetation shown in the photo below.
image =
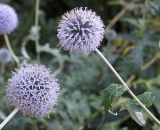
(88, 88)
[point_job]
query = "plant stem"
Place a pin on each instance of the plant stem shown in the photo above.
(37, 25)
(116, 18)
(145, 66)
(152, 61)
(10, 48)
(11, 115)
(125, 85)
(129, 81)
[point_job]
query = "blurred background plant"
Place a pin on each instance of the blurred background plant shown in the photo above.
(131, 44)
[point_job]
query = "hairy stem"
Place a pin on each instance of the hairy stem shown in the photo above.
(10, 48)
(37, 25)
(11, 115)
(125, 85)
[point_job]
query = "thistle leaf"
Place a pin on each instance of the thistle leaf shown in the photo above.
(111, 94)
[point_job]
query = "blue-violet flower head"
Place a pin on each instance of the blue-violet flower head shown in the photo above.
(110, 34)
(5, 56)
(8, 19)
(80, 30)
(33, 90)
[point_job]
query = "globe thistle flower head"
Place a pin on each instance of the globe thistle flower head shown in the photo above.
(5, 56)
(80, 30)
(8, 19)
(33, 90)
(110, 34)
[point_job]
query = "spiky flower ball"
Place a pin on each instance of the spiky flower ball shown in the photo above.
(110, 34)
(80, 30)
(5, 56)
(33, 89)
(8, 19)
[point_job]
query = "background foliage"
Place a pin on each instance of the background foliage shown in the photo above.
(134, 50)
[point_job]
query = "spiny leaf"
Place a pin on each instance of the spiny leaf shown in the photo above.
(147, 98)
(111, 94)
(135, 110)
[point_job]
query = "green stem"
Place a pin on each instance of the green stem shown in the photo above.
(125, 85)
(37, 25)
(10, 48)
(11, 115)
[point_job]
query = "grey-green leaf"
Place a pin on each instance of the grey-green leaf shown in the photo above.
(135, 112)
(156, 102)
(111, 94)
(147, 98)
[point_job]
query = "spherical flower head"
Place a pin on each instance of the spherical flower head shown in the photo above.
(33, 90)
(80, 30)
(110, 34)
(8, 19)
(5, 56)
